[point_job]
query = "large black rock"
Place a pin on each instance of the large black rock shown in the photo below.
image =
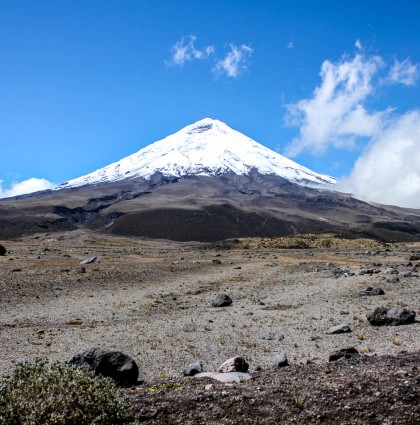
(113, 364)
(2, 250)
(395, 316)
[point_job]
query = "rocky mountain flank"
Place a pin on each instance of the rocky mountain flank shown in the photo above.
(205, 208)
(206, 182)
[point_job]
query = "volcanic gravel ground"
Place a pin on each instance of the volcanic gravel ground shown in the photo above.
(152, 301)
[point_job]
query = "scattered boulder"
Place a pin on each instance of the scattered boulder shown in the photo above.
(2, 250)
(216, 261)
(275, 336)
(234, 364)
(225, 377)
(279, 361)
(221, 300)
(369, 271)
(391, 270)
(194, 368)
(81, 269)
(395, 316)
(369, 291)
(392, 279)
(338, 272)
(89, 260)
(339, 329)
(414, 257)
(344, 353)
(113, 364)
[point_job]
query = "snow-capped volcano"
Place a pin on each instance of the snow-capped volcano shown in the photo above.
(206, 148)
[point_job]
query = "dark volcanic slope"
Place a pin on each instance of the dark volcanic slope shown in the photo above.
(205, 209)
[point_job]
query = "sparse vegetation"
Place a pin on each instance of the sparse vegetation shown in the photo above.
(280, 307)
(166, 386)
(299, 402)
(306, 241)
(74, 322)
(39, 393)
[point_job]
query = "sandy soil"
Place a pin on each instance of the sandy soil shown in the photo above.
(152, 301)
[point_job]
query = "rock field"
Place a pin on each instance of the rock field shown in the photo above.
(155, 301)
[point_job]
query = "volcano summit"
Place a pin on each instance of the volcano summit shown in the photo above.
(205, 148)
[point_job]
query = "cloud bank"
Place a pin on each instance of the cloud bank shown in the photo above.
(389, 170)
(26, 186)
(336, 116)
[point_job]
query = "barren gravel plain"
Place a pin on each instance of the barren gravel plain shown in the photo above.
(151, 299)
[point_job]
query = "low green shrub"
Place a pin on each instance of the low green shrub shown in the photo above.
(39, 393)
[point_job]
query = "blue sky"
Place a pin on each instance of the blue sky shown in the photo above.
(330, 84)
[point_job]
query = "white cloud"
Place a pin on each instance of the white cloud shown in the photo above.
(404, 72)
(290, 45)
(235, 62)
(389, 171)
(358, 45)
(184, 50)
(335, 115)
(26, 186)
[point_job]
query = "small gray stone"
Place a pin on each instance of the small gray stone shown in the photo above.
(234, 364)
(89, 260)
(147, 413)
(275, 337)
(221, 300)
(225, 377)
(279, 361)
(414, 257)
(392, 279)
(339, 329)
(194, 368)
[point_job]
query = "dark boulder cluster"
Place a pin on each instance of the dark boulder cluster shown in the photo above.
(396, 316)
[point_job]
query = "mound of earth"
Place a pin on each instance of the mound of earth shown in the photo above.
(365, 390)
